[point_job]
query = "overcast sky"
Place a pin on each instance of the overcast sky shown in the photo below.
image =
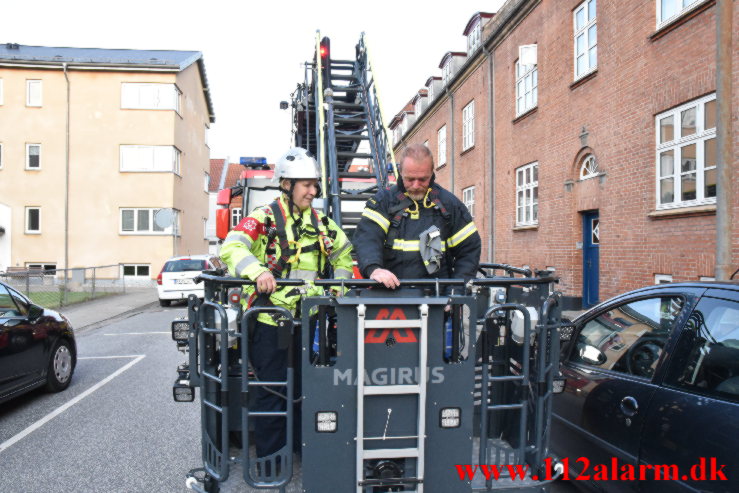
(254, 51)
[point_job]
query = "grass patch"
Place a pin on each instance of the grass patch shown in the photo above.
(53, 299)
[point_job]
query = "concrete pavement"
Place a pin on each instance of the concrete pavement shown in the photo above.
(89, 314)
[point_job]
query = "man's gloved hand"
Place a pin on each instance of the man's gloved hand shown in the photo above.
(385, 277)
(266, 283)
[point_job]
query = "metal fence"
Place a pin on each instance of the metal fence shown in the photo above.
(61, 287)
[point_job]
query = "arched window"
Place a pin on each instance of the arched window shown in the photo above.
(589, 167)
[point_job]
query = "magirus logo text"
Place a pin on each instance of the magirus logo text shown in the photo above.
(389, 376)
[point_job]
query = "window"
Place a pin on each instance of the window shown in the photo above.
(206, 181)
(235, 217)
(146, 96)
(1, 92)
(468, 126)
(33, 156)
(49, 269)
(468, 197)
(710, 347)
(141, 222)
(150, 158)
(33, 220)
(473, 38)
(135, 270)
(396, 134)
(589, 167)
(586, 39)
(526, 88)
(686, 154)
(527, 195)
(667, 10)
(8, 307)
(662, 278)
(441, 146)
(33, 93)
(431, 91)
(446, 72)
(418, 107)
(404, 124)
(628, 338)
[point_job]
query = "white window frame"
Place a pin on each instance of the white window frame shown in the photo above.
(468, 126)
(29, 84)
(418, 107)
(676, 145)
(527, 195)
(396, 134)
(446, 72)
(588, 168)
(468, 197)
(662, 278)
(584, 32)
(28, 157)
(431, 91)
(680, 11)
(27, 220)
(153, 229)
(441, 146)
(526, 74)
(164, 96)
(136, 271)
(473, 38)
(128, 165)
(404, 124)
(236, 217)
(45, 267)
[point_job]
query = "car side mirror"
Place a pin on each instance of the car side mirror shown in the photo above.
(35, 312)
(591, 354)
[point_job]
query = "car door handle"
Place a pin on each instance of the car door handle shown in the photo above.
(629, 406)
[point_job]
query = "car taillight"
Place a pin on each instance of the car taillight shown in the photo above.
(159, 277)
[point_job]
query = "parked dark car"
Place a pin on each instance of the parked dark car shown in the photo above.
(37, 346)
(652, 379)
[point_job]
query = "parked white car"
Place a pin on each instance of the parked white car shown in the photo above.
(175, 281)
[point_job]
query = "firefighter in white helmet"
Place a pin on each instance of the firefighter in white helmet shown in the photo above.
(285, 239)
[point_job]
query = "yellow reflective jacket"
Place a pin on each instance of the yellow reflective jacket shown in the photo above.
(254, 247)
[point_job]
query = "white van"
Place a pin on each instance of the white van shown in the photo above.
(175, 281)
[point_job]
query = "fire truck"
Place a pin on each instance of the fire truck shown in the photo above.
(444, 385)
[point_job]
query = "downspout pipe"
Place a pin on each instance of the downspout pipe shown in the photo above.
(724, 134)
(66, 187)
(491, 156)
(450, 95)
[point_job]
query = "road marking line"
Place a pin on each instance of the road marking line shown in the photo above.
(136, 333)
(56, 412)
(111, 357)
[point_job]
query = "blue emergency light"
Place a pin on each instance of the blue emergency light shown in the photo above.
(253, 161)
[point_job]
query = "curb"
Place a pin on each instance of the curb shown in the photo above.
(114, 318)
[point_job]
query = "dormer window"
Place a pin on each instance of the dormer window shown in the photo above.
(404, 126)
(418, 106)
(473, 38)
(431, 91)
(446, 72)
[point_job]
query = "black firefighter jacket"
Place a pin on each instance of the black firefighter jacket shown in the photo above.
(377, 245)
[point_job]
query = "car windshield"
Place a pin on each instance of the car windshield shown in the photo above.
(184, 265)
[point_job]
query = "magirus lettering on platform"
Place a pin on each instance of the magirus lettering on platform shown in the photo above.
(389, 376)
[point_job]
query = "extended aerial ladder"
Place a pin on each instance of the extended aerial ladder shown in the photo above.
(337, 117)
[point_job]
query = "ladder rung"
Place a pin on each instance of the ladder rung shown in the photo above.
(347, 62)
(345, 89)
(348, 106)
(355, 174)
(391, 324)
(342, 77)
(350, 137)
(356, 155)
(340, 120)
(509, 378)
(391, 389)
(390, 453)
(504, 407)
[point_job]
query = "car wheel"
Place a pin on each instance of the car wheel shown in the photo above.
(164, 302)
(61, 367)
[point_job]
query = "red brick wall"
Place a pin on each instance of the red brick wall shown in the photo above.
(638, 77)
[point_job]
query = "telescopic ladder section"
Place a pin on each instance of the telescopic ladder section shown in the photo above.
(364, 390)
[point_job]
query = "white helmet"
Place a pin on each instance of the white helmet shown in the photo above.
(298, 164)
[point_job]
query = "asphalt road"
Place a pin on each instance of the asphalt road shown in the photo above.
(116, 428)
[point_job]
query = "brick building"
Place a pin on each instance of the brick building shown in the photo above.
(601, 159)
